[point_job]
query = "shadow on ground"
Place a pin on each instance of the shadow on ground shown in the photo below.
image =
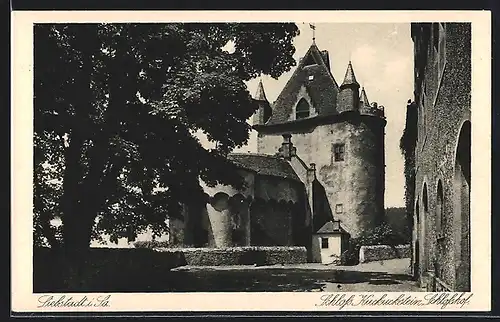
(242, 280)
(271, 280)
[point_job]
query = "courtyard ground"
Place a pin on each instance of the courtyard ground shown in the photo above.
(381, 276)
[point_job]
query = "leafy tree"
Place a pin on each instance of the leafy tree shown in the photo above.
(116, 109)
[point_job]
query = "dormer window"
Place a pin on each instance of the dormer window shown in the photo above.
(302, 109)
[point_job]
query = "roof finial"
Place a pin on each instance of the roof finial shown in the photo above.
(313, 27)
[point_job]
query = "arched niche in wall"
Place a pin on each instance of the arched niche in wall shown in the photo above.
(440, 218)
(423, 228)
(240, 219)
(416, 227)
(462, 181)
(440, 223)
(220, 201)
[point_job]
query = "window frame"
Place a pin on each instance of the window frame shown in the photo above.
(303, 112)
(339, 152)
(325, 242)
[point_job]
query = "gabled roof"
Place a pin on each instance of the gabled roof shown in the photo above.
(322, 88)
(330, 228)
(264, 164)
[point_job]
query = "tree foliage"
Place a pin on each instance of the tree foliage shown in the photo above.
(407, 145)
(116, 109)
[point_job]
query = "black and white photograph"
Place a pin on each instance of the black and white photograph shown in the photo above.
(287, 156)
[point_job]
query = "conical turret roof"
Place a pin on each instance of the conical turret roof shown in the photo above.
(363, 98)
(260, 95)
(349, 78)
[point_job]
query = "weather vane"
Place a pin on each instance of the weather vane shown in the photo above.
(313, 27)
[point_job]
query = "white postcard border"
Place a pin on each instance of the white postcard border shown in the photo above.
(24, 300)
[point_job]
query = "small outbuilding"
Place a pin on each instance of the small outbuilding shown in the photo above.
(329, 242)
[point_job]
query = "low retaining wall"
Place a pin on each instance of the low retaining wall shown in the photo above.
(240, 255)
(383, 252)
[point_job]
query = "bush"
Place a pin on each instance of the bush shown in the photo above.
(151, 244)
(252, 255)
(381, 235)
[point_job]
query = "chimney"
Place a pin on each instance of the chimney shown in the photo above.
(287, 150)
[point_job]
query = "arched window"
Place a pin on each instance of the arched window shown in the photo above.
(425, 199)
(302, 109)
(439, 209)
(423, 228)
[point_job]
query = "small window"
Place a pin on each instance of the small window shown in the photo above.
(339, 208)
(339, 152)
(311, 77)
(302, 109)
(324, 242)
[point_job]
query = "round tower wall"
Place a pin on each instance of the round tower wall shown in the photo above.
(356, 184)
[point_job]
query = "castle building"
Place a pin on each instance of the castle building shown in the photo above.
(336, 128)
(441, 209)
(318, 176)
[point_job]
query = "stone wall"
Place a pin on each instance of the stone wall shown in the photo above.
(383, 252)
(443, 99)
(264, 214)
(357, 183)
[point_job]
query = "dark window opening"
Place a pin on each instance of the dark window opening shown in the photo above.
(339, 208)
(339, 152)
(324, 242)
(425, 199)
(302, 110)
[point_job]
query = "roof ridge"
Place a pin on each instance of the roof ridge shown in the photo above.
(255, 154)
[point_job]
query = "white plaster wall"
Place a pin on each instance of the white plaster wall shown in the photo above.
(326, 255)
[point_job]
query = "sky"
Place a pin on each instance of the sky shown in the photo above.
(382, 59)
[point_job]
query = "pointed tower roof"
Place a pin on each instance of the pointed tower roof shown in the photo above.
(349, 78)
(363, 98)
(260, 95)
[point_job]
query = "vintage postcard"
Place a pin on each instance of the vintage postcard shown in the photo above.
(318, 161)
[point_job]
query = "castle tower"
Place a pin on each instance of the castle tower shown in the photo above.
(346, 148)
(348, 99)
(264, 110)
